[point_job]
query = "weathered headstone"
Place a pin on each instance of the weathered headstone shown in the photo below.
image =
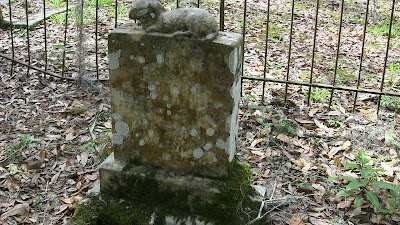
(174, 96)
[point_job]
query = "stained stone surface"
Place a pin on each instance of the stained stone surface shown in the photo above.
(175, 100)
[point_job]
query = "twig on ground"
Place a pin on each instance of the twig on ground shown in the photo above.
(282, 201)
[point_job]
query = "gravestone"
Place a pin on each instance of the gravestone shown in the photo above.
(174, 97)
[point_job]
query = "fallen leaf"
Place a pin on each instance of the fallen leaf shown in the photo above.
(312, 112)
(388, 169)
(331, 172)
(298, 163)
(296, 220)
(355, 212)
(256, 141)
(344, 204)
(320, 188)
(69, 200)
(334, 113)
(62, 208)
(303, 121)
(91, 177)
(250, 136)
(365, 111)
(284, 138)
(35, 165)
(84, 158)
(333, 151)
(54, 179)
(19, 209)
(346, 144)
(322, 126)
(315, 221)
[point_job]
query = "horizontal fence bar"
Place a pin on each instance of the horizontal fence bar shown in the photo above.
(41, 69)
(325, 86)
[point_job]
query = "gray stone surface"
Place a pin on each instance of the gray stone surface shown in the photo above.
(175, 100)
(168, 179)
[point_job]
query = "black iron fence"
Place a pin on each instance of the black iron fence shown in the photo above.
(335, 49)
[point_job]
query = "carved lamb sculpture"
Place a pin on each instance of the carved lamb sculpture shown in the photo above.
(189, 22)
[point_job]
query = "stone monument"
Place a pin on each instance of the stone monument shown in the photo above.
(175, 88)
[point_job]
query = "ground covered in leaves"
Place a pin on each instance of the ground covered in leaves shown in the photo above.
(54, 133)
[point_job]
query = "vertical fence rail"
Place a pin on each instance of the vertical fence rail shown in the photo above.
(337, 52)
(96, 33)
(12, 38)
(222, 15)
(313, 52)
(45, 35)
(362, 55)
(289, 51)
(386, 54)
(244, 30)
(65, 38)
(27, 36)
(266, 51)
(116, 14)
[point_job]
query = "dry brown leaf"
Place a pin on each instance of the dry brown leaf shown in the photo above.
(284, 138)
(333, 151)
(322, 126)
(346, 144)
(365, 111)
(344, 204)
(91, 177)
(84, 158)
(19, 209)
(54, 179)
(355, 212)
(69, 200)
(78, 185)
(388, 169)
(250, 136)
(316, 221)
(62, 208)
(256, 141)
(298, 163)
(303, 121)
(296, 220)
(35, 165)
(334, 113)
(331, 172)
(312, 112)
(320, 188)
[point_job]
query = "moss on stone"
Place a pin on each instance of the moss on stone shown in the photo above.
(144, 196)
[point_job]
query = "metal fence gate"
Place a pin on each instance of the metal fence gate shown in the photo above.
(325, 47)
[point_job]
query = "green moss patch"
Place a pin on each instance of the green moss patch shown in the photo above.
(144, 199)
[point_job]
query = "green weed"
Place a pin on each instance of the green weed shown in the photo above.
(58, 18)
(56, 3)
(275, 32)
(390, 139)
(318, 95)
(382, 28)
(285, 127)
(27, 141)
(14, 151)
(262, 124)
(364, 188)
(334, 123)
(299, 5)
(391, 103)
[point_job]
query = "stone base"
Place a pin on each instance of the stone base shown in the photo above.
(112, 171)
(142, 195)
